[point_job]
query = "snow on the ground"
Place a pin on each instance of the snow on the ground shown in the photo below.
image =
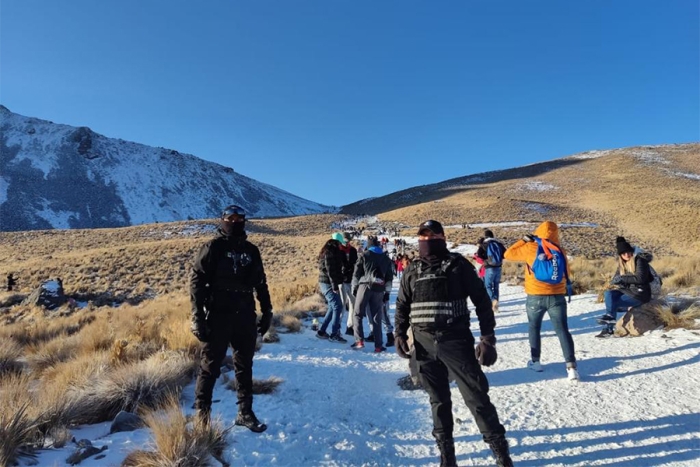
(637, 404)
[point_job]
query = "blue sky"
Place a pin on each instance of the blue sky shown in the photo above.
(336, 101)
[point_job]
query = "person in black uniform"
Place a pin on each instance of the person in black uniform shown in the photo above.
(226, 272)
(432, 300)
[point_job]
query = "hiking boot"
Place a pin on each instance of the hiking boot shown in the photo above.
(358, 345)
(572, 375)
(337, 338)
(447, 451)
(349, 331)
(606, 332)
(250, 421)
(494, 305)
(534, 366)
(379, 349)
(500, 451)
(389, 339)
(322, 335)
(606, 318)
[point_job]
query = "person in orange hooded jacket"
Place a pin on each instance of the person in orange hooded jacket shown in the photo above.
(544, 298)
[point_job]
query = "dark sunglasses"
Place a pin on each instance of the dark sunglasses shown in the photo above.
(233, 214)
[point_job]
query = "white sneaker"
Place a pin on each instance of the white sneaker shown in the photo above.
(534, 366)
(572, 375)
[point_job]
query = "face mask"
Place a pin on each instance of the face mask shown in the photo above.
(233, 229)
(432, 247)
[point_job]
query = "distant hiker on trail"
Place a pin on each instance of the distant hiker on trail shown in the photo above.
(226, 272)
(433, 302)
(546, 291)
(371, 285)
(349, 261)
(630, 286)
(491, 252)
(11, 282)
(481, 271)
(330, 280)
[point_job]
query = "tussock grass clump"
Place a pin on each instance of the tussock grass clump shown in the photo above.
(177, 442)
(145, 384)
(19, 436)
(681, 314)
(288, 319)
(260, 386)
(10, 353)
(11, 299)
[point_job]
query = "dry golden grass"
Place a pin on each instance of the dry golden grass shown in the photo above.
(681, 314)
(177, 441)
(18, 436)
(10, 353)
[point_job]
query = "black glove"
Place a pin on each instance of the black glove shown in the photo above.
(528, 238)
(265, 321)
(486, 350)
(401, 343)
(386, 296)
(354, 292)
(617, 280)
(200, 329)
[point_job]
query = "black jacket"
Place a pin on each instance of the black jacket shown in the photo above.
(373, 269)
(349, 260)
(463, 282)
(637, 285)
(226, 272)
(330, 265)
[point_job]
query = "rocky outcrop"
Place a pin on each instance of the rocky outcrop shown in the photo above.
(638, 321)
(49, 295)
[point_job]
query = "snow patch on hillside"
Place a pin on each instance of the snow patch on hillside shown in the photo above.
(591, 154)
(536, 185)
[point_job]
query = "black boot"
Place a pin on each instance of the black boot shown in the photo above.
(447, 451)
(247, 418)
(389, 339)
(501, 452)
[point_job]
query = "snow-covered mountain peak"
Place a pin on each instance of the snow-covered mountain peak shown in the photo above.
(60, 176)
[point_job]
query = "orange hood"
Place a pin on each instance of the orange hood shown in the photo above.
(548, 230)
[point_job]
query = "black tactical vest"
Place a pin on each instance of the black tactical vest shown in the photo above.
(437, 302)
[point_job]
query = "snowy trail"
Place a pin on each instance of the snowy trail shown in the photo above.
(637, 404)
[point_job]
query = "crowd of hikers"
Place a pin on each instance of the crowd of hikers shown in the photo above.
(431, 324)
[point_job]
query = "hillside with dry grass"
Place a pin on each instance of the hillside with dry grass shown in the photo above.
(650, 194)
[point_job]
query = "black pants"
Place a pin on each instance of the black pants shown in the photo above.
(239, 330)
(372, 303)
(441, 355)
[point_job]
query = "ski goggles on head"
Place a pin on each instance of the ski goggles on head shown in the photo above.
(233, 214)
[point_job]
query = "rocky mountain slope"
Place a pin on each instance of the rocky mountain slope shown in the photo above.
(58, 176)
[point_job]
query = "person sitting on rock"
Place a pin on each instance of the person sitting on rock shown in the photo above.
(630, 286)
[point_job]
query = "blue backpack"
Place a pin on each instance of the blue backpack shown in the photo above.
(550, 265)
(494, 253)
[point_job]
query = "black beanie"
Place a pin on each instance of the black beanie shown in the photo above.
(623, 246)
(488, 233)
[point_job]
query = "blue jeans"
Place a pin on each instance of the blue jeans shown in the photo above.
(335, 309)
(555, 307)
(616, 300)
(492, 279)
